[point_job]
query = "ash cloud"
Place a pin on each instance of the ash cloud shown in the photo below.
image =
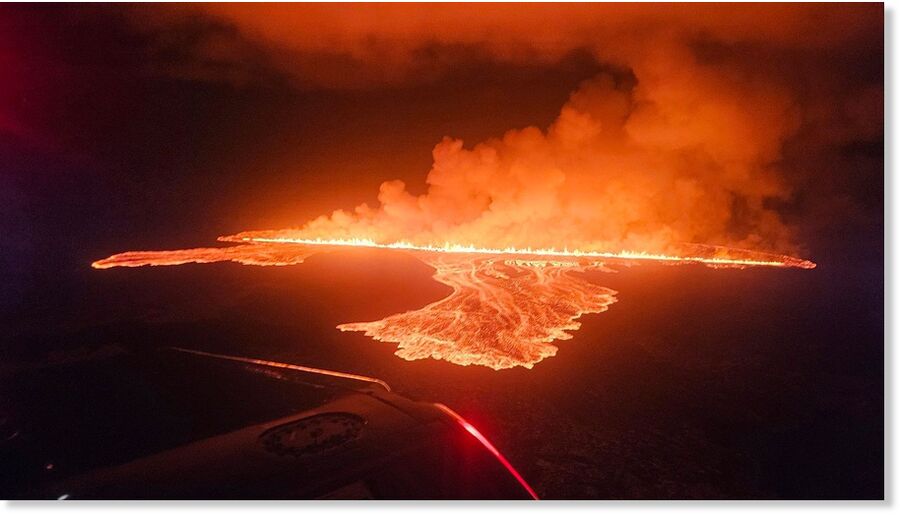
(684, 141)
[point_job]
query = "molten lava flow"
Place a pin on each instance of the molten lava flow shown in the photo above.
(507, 305)
(499, 315)
(250, 254)
(718, 256)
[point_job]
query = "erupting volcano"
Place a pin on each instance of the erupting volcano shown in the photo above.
(639, 160)
(506, 307)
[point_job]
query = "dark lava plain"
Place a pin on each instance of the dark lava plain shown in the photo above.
(697, 383)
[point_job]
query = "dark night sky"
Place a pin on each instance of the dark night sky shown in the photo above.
(104, 129)
(151, 160)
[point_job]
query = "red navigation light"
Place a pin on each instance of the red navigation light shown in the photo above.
(490, 447)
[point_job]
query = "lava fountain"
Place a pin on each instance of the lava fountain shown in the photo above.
(507, 305)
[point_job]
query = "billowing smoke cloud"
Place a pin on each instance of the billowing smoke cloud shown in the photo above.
(680, 139)
(625, 165)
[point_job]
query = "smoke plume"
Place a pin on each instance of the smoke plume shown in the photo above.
(679, 139)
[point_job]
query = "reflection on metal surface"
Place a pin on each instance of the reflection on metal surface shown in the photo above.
(283, 365)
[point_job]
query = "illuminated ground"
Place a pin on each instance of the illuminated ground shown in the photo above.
(697, 382)
(506, 305)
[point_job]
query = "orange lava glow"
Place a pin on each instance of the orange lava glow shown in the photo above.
(499, 315)
(507, 305)
(250, 254)
(717, 256)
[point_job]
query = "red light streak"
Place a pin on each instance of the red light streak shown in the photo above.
(490, 447)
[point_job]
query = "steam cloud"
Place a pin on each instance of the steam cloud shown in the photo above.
(679, 139)
(623, 166)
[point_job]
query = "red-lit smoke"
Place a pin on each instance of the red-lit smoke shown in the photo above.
(679, 140)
